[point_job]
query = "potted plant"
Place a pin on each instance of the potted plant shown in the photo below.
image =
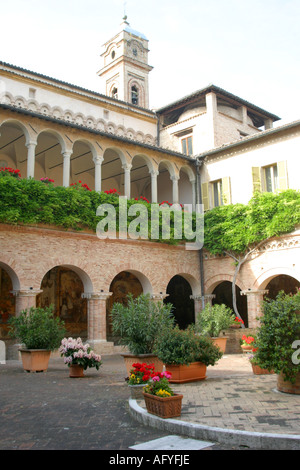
(212, 320)
(276, 338)
(40, 332)
(247, 343)
(257, 370)
(186, 354)
(138, 378)
(159, 397)
(78, 356)
(238, 322)
(138, 324)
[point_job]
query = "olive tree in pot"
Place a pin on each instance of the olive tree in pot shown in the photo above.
(212, 320)
(40, 332)
(186, 354)
(137, 324)
(278, 340)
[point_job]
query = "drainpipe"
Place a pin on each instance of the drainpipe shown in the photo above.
(199, 164)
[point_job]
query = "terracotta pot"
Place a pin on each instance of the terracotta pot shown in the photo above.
(257, 370)
(235, 325)
(164, 407)
(288, 387)
(187, 373)
(130, 359)
(76, 371)
(220, 341)
(136, 391)
(35, 360)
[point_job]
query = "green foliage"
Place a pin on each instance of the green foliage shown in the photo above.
(175, 346)
(213, 319)
(280, 327)
(234, 227)
(140, 322)
(37, 328)
(29, 201)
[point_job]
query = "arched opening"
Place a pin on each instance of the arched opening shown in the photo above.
(123, 284)
(63, 288)
(223, 295)
(82, 165)
(179, 292)
(49, 158)
(164, 184)
(284, 283)
(112, 171)
(13, 151)
(140, 178)
(7, 302)
(134, 95)
(185, 188)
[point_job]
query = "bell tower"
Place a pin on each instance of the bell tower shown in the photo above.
(125, 71)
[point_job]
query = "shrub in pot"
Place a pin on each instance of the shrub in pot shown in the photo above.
(138, 324)
(276, 339)
(186, 354)
(212, 320)
(40, 332)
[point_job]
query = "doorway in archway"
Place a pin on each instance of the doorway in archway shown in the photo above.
(7, 303)
(123, 284)
(223, 293)
(284, 283)
(63, 288)
(179, 292)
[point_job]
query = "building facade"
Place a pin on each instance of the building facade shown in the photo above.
(210, 147)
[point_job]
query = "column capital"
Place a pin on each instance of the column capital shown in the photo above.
(30, 292)
(98, 159)
(174, 177)
(154, 173)
(31, 143)
(67, 153)
(160, 296)
(254, 292)
(127, 166)
(96, 295)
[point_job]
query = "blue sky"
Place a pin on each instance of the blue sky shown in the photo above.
(250, 49)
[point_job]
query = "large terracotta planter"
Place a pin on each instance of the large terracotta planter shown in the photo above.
(35, 360)
(130, 359)
(164, 407)
(187, 373)
(76, 371)
(220, 341)
(288, 387)
(246, 347)
(257, 370)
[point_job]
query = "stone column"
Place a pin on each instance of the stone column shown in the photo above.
(200, 302)
(254, 306)
(175, 191)
(127, 167)
(154, 175)
(97, 320)
(25, 299)
(31, 158)
(98, 163)
(66, 168)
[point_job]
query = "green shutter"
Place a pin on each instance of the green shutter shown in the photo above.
(226, 190)
(256, 178)
(205, 196)
(282, 176)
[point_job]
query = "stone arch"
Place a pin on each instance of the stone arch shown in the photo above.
(166, 171)
(112, 169)
(28, 134)
(9, 285)
(12, 274)
(80, 271)
(262, 281)
(82, 161)
(180, 291)
(185, 185)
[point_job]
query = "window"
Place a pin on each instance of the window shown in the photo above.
(115, 93)
(217, 193)
(271, 178)
(187, 145)
(134, 95)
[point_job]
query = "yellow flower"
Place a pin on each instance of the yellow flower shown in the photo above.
(163, 393)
